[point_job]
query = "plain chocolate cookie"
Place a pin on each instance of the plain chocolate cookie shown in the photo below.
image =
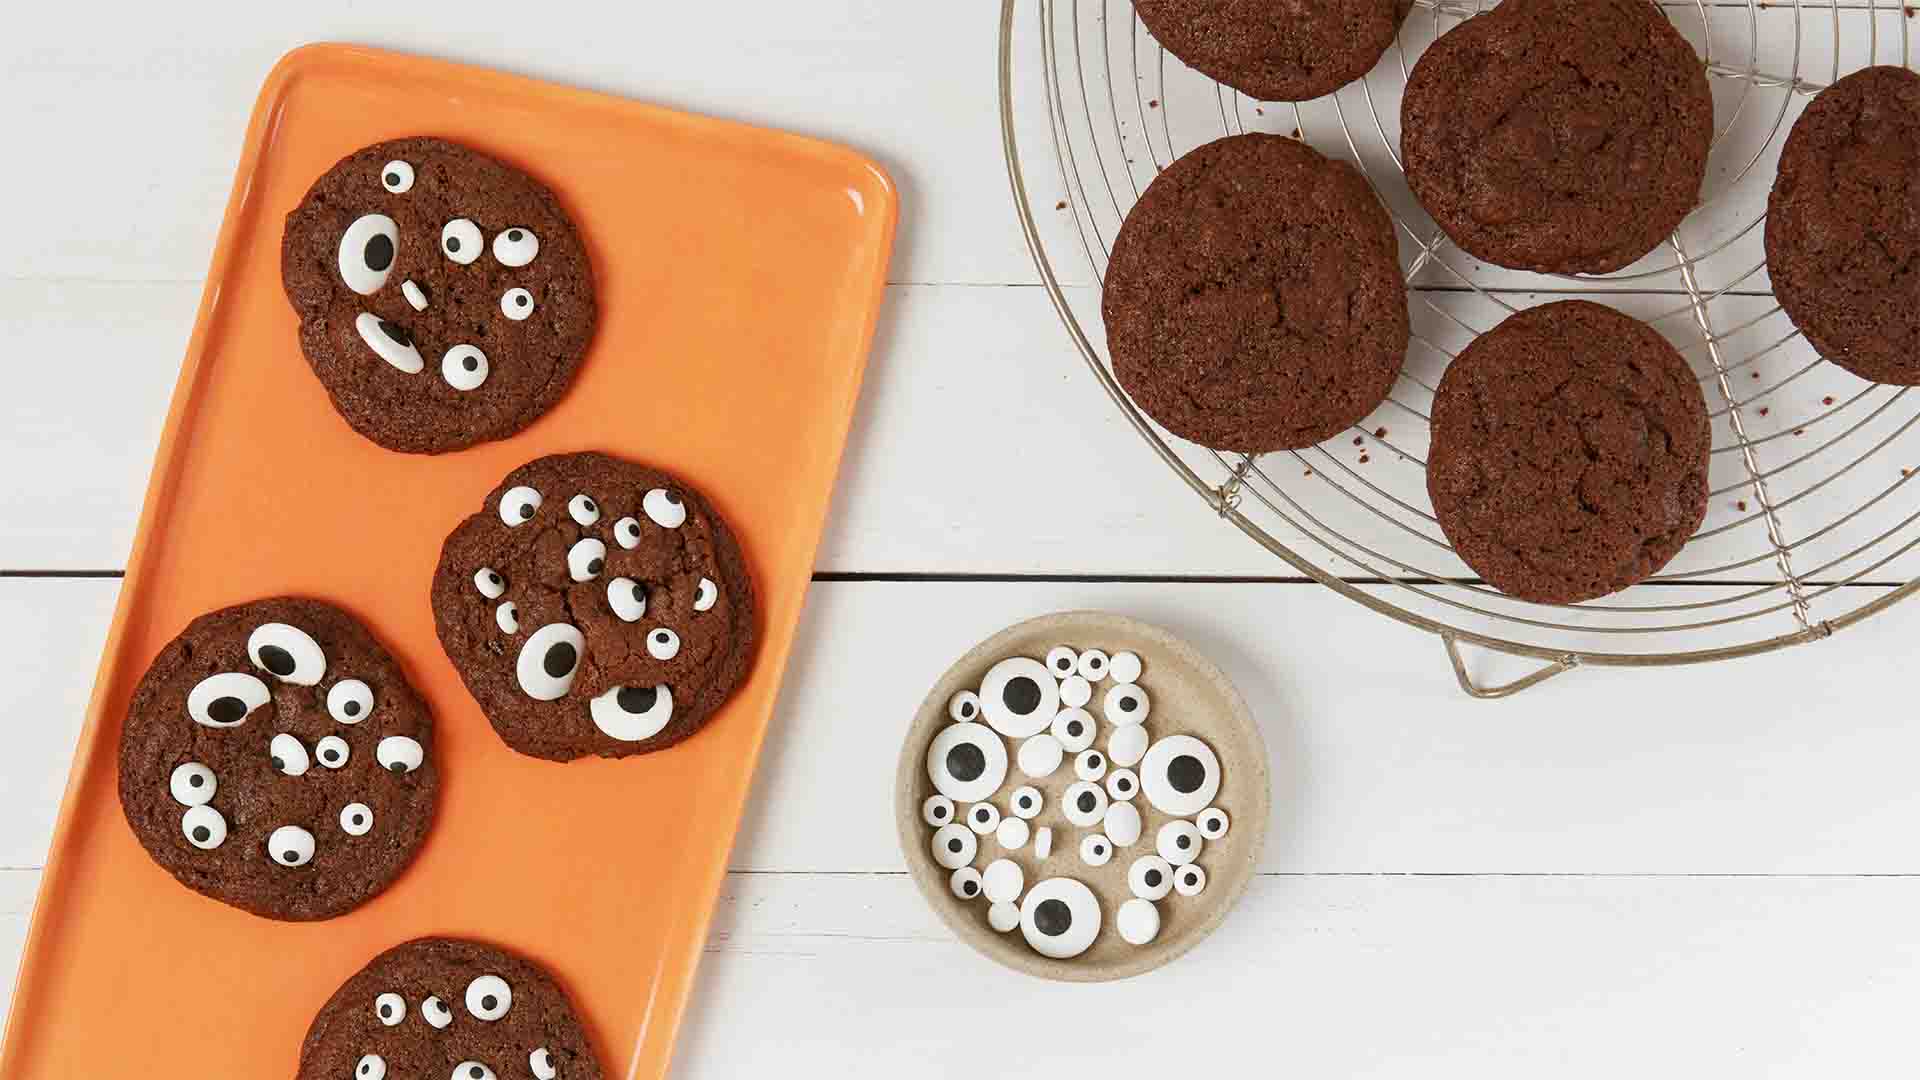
(1565, 136)
(1273, 50)
(1843, 225)
(1569, 456)
(595, 606)
(444, 1009)
(275, 758)
(444, 297)
(1254, 300)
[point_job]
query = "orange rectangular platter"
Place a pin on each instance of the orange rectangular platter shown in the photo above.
(740, 273)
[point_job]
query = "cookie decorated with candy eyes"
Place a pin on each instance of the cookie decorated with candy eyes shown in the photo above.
(444, 297)
(595, 606)
(443, 1009)
(275, 758)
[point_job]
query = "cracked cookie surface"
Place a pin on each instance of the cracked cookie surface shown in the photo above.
(1569, 455)
(595, 606)
(445, 298)
(1276, 51)
(1843, 225)
(1254, 300)
(274, 757)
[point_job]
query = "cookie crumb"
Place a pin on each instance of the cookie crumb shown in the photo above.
(1358, 440)
(1826, 401)
(1061, 205)
(1799, 431)
(1379, 433)
(1764, 410)
(1364, 459)
(1741, 506)
(1153, 104)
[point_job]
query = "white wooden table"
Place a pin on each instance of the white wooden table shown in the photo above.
(1709, 869)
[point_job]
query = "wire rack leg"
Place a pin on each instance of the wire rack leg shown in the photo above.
(1488, 693)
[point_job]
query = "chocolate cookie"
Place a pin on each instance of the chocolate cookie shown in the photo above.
(595, 606)
(1569, 457)
(1276, 51)
(443, 1009)
(444, 297)
(1843, 225)
(1566, 136)
(1254, 300)
(275, 758)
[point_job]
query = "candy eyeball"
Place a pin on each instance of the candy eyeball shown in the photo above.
(664, 508)
(356, 819)
(983, 818)
(1150, 877)
(349, 701)
(1042, 842)
(1026, 802)
(1060, 917)
(203, 827)
(663, 644)
(705, 595)
(290, 845)
(488, 580)
(519, 504)
(471, 1070)
(583, 510)
(1122, 823)
(416, 297)
(937, 810)
(1178, 842)
(391, 1008)
(489, 997)
(516, 246)
(1075, 691)
(954, 846)
(516, 304)
(1213, 823)
(965, 883)
(507, 617)
(288, 653)
(366, 253)
(192, 784)
(1074, 728)
(436, 1013)
(288, 755)
(1062, 660)
(1093, 665)
(632, 713)
(1125, 667)
(1189, 880)
(1004, 918)
(1180, 775)
(390, 342)
(226, 700)
(371, 1067)
(1084, 804)
(1003, 881)
(1095, 850)
(1012, 833)
(1138, 922)
(1126, 704)
(397, 177)
(549, 660)
(464, 367)
(966, 762)
(1090, 765)
(1123, 785)
(585, 559)
(461, 241)
(627, 598)
(399, 754)
(1127, 744)
(541, 1062)
(964, 707)
(333, 751)
(1018, 697)
(1040, 756)
(626, 533)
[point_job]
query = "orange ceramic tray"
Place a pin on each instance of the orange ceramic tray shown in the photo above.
(740, 273)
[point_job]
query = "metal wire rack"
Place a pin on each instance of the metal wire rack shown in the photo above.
(1812, 524)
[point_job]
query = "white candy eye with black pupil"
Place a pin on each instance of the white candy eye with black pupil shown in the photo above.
(490, 583)
(367, 251)
(204, 827)
(288, 653)
(663, 644)
(1061, 660)
(1123, 785)
(936, 811)
(460, 240)
(965, 883)
(1074, 728)
(436, 1013)
(290, 845)
(966, 762)
(350, 701)
(356, 819)
(964, 707)
(192, 784)
(516, 304)
(1026, 802)
(1019, 697)
(333, 751)
(705, 595)
(549, 660)
(1126, 704)
(1090, 765)
(371, 1067)
(519, 505)
(227, 699)
(288, 755)
(983, 818)
(626, 533)
(399, 754)
(1060, 918)
(391, 1008)
(585, 559)
(627, 598)
(390, 342)
(1178, 842)
(489, 997)
(1093, 665)
(1150, 877)
(1180, 775)
(664, 508)
(507, 618)
(1096, 850)
(397, 177)
(1213, 823)
(471, 1070)
(541, 1063)
(464, 367)
(954, 846)
(1189, 880)
(516, 246)
(583, 509)
(1084, 803)
(632, 713)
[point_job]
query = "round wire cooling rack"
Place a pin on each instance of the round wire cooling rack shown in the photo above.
(1811, 526)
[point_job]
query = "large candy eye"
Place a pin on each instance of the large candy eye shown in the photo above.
(1138, 922)
(1075, 691)
(1150, 877)
(1040, 756)
(288, 755)
(356, 819)
(1122, 824)
(1084, 804)
(397, 177)
(585, 559)
(1060, 917)
(350, 701)
(507, 618)
(1180, 775)
(471, 1070)
(192, 784)
(290, 845)
(464, 367)
(1003, 881)
(1095, 850)
(436, 1012)
(460, 239)
(1213, 823)
(964, 706)
(1062, 660)
(632, 713)
(519, 504)
(705, 595)
(664, 508)
(391, 1008)
(953, 846)
(626, 533)
(390, 342)
(516, 304)
(226, 699)
(1019, 697)
(541, 1063)
(1074, 729)
(1178, 842)
(983, 818)
(288, 653)
(204, 827)
(366, 253)
(1093, 665)
(332, 750)
(965, 883)
(1090, 765)
(371, 1067)
(1123, 785)
(1127, 744)
(583, 510)
(489, 997)
(399, 754)
(1189, 880)
(516, 246)
(663, 644)
(936, 811)
(549, 660)
(1126, 704)
(966, 762)
(1026, 802)
(627, 599)
(490, 583)
(1125, 667)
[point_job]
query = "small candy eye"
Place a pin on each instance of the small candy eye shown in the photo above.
(1004, 918)
(366, 253)
(1127, 744)
(519, 504)
(1060, 918)
(1062, 660)
(1003, 881)
(705, 595)
(1026, 802)
(1122, 824)
(1041, 755)
(507, 618)
(664, 508)
(1074, 729)
(333, 751)
(1095, 850)
(436, 1013)
(1012, 833)
(1138, 922)
(416, 296)
(1125, 667)
(399, 754)
(1090, 765)
(966, 762)
(541, 1063)
(1093, 665)
(585, 559)
(290, 845)
(583, 509)
(626, 533)
(390, 342)
(627, 598)
(350, 701)
(288, 652)
(953, 846)
(226, 700)
(1180, 775)
(1213, 823)
(489, 997)
(516, 304)
(1189, 880)
(1084, 804)
(964, 706)
(464, 367)
(471, 1070)
(965, 883)
(204, 827)
(1150, 877)
(460, 239)
(356, 819)
(1042, 842)
(371, 1067)
(391, 1008)
(1018, 697)
(1075, 691)
(1126, 704)
(632, 713)
(192, 784)
(516, 246)
(490, 583)
(288, 755)
(1178, 842)
(397, 177)
(663, 644)
(549, 660)
(983, 818)
(937, 810)
(1123, 785)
